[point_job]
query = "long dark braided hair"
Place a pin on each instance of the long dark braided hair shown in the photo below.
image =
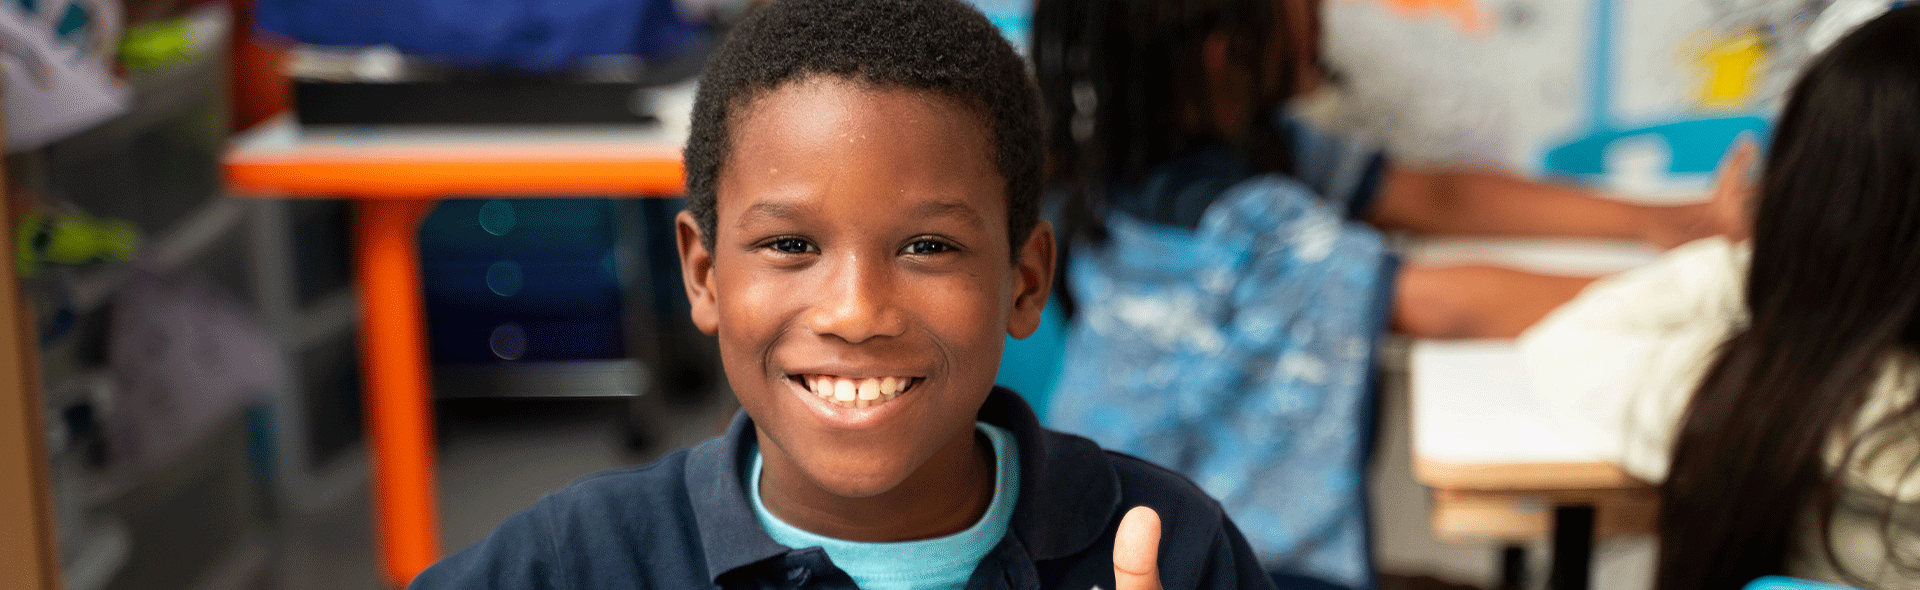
(1125, 89)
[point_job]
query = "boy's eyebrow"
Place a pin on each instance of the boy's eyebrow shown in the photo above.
(953, 209)
(767, 210)
(772, 210)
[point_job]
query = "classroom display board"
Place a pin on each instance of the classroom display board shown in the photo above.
(1641, 97)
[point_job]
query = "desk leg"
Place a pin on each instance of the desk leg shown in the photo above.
(1572, 548)
(399, 410)
(1513, 567)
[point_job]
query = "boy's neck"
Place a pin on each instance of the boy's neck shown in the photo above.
(947, 494)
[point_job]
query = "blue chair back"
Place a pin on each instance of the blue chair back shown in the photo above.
(1786, 583)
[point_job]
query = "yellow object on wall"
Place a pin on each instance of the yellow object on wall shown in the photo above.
(1731, 70)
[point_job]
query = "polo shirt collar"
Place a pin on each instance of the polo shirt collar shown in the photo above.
(1068, 492)
(729, 533)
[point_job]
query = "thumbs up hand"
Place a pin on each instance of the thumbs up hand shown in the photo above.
(1136, 551)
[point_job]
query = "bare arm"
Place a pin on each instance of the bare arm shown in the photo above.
(1447, 202)
(1496, 302)
(1476, 301)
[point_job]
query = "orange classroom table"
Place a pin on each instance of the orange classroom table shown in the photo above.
(394, 175)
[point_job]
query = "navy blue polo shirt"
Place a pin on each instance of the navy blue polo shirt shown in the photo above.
(684, 522)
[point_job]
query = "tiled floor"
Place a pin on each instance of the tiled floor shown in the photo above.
(496, 457)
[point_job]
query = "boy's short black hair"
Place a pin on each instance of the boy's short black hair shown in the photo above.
(940, 46)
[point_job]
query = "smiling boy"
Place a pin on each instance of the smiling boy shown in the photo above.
(862, 234)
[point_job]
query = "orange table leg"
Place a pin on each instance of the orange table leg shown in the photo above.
(399, 410)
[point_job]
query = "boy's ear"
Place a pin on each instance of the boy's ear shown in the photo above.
(1033, 281)
(696, 271)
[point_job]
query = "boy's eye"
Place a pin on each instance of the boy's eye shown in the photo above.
(926, 247)
(791, 246)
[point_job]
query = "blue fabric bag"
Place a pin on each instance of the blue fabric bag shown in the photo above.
(1240, 354)
(530, 35)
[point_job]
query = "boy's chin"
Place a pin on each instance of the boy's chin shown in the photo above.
(864, 481)
(859, 489)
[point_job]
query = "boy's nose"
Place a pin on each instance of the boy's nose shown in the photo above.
(857, 302)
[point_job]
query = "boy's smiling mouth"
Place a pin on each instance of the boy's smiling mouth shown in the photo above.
(856, 393)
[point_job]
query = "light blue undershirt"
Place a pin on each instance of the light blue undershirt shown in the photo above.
(934, 564)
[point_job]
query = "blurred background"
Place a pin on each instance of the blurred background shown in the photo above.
(185, 399)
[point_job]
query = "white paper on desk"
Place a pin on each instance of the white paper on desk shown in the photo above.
(1472, 405)
(55, 89)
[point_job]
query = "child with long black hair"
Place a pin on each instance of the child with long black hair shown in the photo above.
(1769, 385)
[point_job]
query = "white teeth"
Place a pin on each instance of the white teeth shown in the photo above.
(856, 393)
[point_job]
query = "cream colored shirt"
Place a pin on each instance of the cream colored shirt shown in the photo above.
(1615, 367)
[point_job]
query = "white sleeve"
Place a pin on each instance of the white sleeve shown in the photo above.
(1615, 366)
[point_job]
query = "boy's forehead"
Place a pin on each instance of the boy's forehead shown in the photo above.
(755, 117)
(748, 106)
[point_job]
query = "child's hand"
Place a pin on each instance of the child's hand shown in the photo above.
(1136, 551)
(1733, 189)
(1726, 213)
